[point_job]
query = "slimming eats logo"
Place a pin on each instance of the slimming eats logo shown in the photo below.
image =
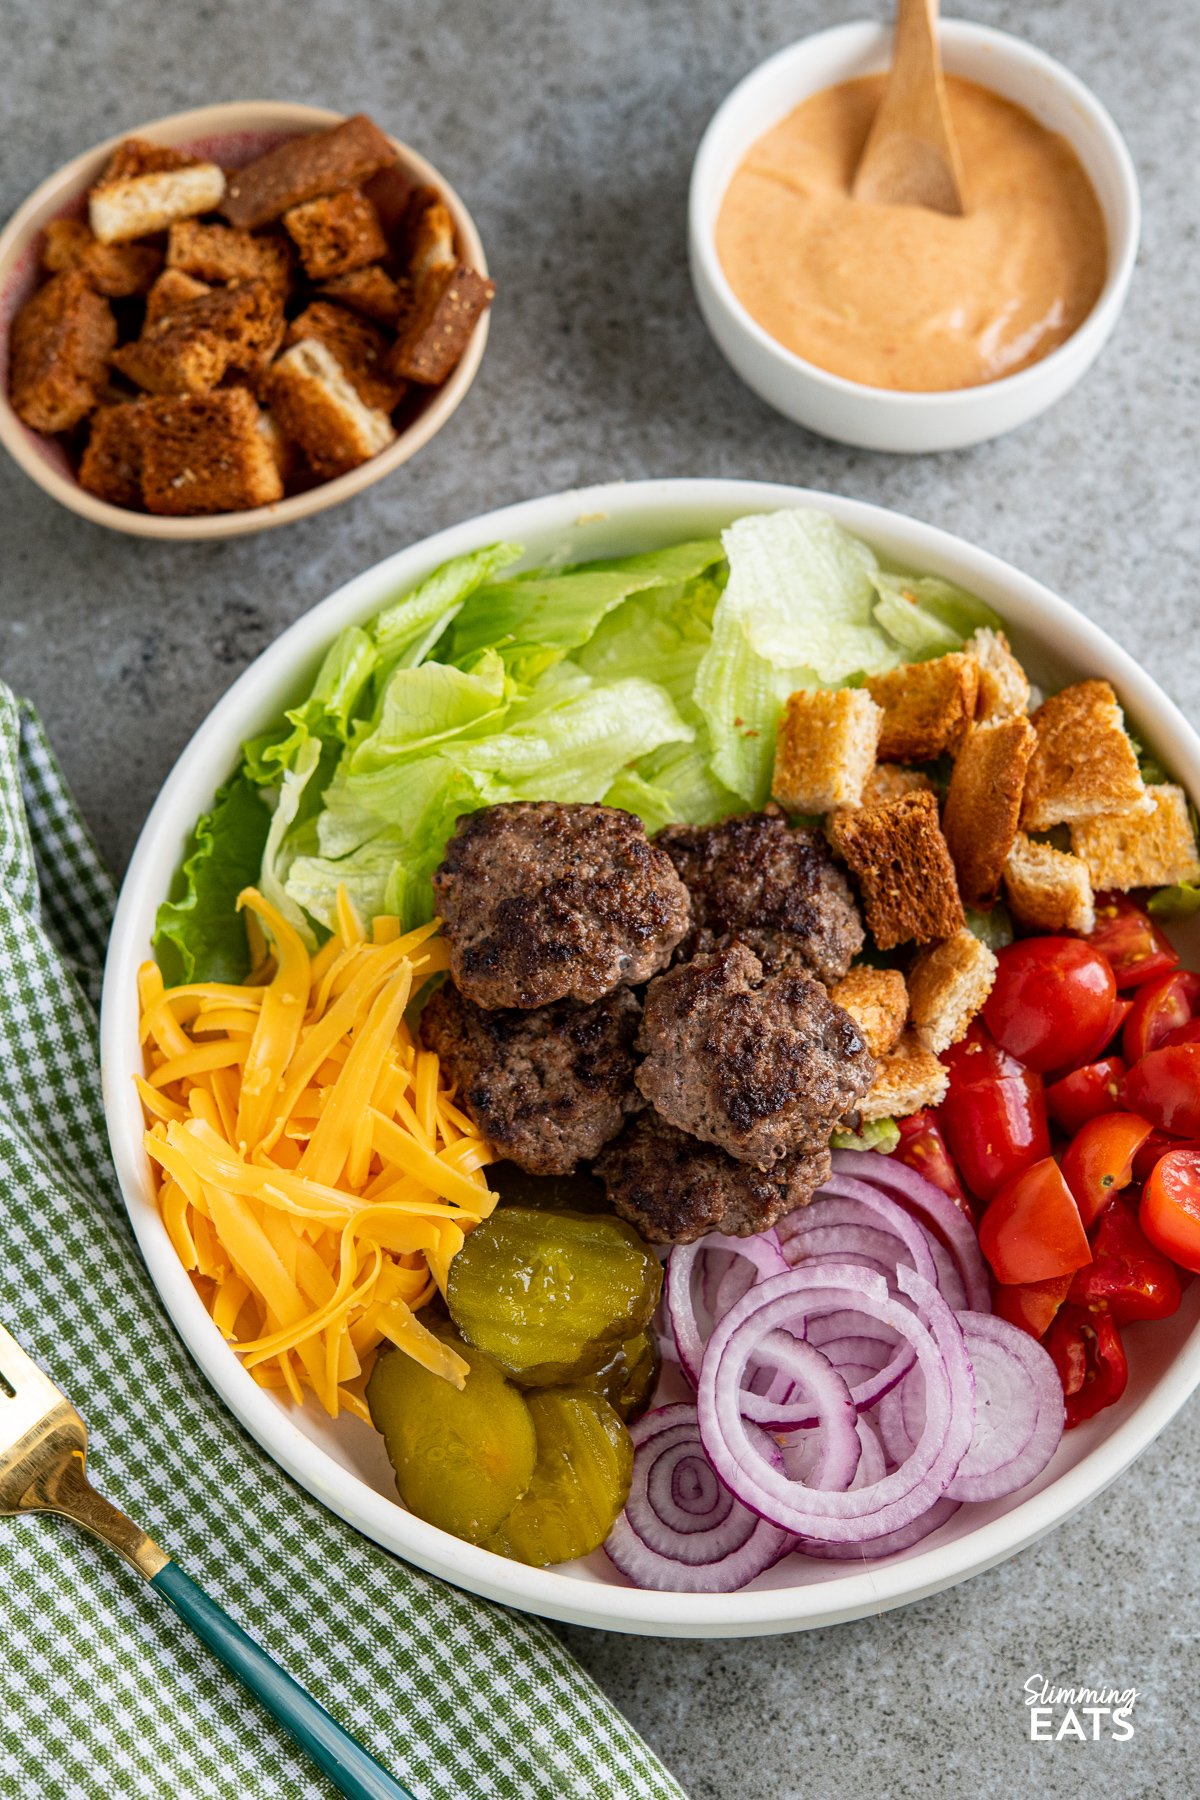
(1056, 1713)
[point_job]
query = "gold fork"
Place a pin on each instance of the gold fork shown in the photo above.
(43, 1451)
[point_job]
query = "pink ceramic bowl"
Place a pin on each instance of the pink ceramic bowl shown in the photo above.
(233, 135)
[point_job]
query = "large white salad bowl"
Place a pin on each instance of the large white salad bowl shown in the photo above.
(342, 1464)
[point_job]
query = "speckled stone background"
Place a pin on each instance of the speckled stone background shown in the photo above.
(569, 126)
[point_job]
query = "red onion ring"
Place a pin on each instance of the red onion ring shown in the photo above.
(933, 1209)
(691, 1265)
(871, 1549)
(1019, 1410)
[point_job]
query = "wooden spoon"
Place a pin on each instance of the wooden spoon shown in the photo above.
(910, 157)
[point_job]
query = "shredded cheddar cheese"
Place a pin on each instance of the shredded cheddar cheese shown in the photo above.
(314, 1175)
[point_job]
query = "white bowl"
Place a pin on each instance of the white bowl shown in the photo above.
(883, 418)
(233, 134)
(343, 1464)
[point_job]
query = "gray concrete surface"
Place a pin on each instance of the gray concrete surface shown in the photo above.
(569, 126)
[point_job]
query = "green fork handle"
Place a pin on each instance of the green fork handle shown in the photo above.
(352, 1770)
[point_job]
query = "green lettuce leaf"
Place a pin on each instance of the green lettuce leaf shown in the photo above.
(994, 928)
(926, 615)
(876, 1134)
(199, 935)
(1178, 902)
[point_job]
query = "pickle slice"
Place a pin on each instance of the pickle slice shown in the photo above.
(630, 1376)
(463, 1457)
(580, 1483)
(552, 1295)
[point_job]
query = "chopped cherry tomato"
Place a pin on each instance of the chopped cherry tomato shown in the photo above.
(1165, 1088)
(978, 1057)
(1161, 1007)
(995, 1129)
(1110, 1031)
(1098, 1162)
(1031, 1304)
(1086, 1093)
(1127, 1276)
(1051, 1002)
(1154, 1149)
(1183, 1034)
(1129, 941)
(1032, 1229)
(924, 1149)
(1090, 1360)
(1170, 1211)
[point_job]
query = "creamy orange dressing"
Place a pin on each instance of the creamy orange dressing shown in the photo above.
(899, 296)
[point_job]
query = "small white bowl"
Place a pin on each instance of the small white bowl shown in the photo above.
(884, 418)
(233, 134)
(342, 1462)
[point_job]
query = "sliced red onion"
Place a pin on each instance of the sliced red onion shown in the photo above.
(898, 1442)
(743, 1338)
(865, 1220)
(800, 1455)
(871, 1549)
(1019, 1410)
(932, 1208)
(705, 1279)
(682, 1530)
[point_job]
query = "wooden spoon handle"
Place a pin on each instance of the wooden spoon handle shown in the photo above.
(910, 157)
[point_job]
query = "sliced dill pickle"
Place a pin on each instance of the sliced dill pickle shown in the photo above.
(629, 1378)
(463, 1456)
(580, 1483)
(551, 1295)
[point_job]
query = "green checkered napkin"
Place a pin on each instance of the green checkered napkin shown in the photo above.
(103, 1693)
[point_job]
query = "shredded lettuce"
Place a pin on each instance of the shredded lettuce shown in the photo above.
(1178, 902)
(993, 928)
(198, 934)
(876, 1134)
(653, 682)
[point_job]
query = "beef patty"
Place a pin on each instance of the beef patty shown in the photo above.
(547, 1088)
(675, 1189)
(763, 1065)
(545, 902)
(777, 889)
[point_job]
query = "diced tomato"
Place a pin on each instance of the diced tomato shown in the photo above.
(977, 1057)
(1098, 1162)
(1031, 1304)
(1161, 1007)
(924, 1149)
(1129, 941)
(995, 1129)
(1183, 1034)
(1164, 1087)
(1086, 1093)
(1170, 1210)
(1127, 1276)
(1051, 1002)
(1155, 1147)
(1032, 1229)
(1111, 1030)
(1090, 1359)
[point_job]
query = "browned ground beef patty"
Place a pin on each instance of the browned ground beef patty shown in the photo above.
(763, 1065)
(548, 1088)
(777, 889)
(674, 1188)
(545, 902)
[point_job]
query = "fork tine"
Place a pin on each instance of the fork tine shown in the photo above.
(21, 1373)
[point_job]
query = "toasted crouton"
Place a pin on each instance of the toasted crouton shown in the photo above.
(825, 749)
(1133, 850)
(947, 985)
(111, 466)
(221, 253)
(927, 707)
(897, 851)
(369, 292)
(887, 781)
(983, 805)
(191, 348)
(877, 1001)
(438, 325)
(60, 345)
(1047, 889)
(360, 347)
(317, 406)
(205, 453)
(335, 233)
(115, 270)
(305, 167)
(172, 290)
(907, 1079)
(1084, 764)
(146, 187)
(1003, 684)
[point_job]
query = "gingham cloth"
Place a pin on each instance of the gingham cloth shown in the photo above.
(103, 1693)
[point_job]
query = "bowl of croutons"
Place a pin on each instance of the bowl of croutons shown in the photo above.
(234, 317)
